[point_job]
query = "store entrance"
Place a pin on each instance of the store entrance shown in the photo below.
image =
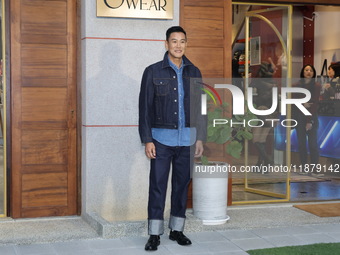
(262, 47)
(263, 36)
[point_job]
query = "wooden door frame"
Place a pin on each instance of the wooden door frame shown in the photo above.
(78, 106)
(75, 124)
(7, 55)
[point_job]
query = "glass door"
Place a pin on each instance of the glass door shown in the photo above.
(267, 68)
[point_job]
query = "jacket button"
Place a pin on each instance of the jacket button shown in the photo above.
(175, 112)
(175, 100)
(175, 89)
(174, 77)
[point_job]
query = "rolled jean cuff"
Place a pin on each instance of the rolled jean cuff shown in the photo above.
(155, 227)
(176, 223)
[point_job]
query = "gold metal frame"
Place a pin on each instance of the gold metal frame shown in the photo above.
(287, 51)
(4, 214)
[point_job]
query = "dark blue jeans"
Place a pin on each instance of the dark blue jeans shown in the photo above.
(179, 158)
(302, 135)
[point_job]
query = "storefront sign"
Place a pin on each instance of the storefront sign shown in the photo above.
(146, 9)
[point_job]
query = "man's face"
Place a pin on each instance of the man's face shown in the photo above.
(176, 45)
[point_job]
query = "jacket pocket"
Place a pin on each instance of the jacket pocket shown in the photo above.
(161, 86)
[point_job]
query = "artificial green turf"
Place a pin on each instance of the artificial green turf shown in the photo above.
(313, 249)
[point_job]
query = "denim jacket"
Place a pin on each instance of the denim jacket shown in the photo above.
(158, 106)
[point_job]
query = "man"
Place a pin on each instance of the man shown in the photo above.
(164, 128)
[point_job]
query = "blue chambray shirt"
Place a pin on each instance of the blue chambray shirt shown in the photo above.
(183, 136)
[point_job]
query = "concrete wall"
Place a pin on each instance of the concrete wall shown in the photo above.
(327, 35)
(114, 54)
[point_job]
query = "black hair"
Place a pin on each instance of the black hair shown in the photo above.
(336, 68)
(175, 29)
(303, 69)
(312, 82)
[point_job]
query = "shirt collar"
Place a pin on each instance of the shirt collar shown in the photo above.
(175, 66)
(185, 61)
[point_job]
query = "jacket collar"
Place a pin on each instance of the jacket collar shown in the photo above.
(165, 64)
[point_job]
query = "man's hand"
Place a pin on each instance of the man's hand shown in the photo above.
(150, 150)
(199, 149)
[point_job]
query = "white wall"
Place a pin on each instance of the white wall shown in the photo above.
(114, 54)
(327, 34)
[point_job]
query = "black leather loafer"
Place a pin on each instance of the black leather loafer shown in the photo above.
(179, 237)
(152, 243)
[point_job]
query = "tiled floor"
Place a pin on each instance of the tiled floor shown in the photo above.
(301, 190)
(302, 187)
(228, 242)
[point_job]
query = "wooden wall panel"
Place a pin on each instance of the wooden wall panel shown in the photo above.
(44, 135)
(42, 55)
(41, 190)
(216, 43)
(198, 12)
(44, 147)
(205, 3)
(44, 61)
(207, 24)
(50, 104)
(43, 168)
(44, 17)
(211, 57)
(197, 29)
